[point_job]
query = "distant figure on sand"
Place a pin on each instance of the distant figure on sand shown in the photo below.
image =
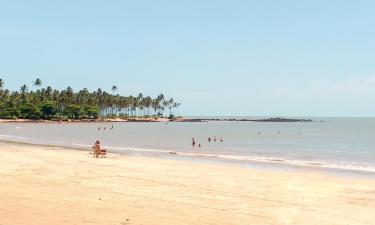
(98, 150)
(193, 142)
(209, 139)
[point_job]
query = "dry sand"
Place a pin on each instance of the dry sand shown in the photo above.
(44, 185)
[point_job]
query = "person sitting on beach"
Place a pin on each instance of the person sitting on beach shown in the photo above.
(97, 149)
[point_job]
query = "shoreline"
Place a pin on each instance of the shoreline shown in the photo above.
(50, 185)
(165, 120)
(255, 163)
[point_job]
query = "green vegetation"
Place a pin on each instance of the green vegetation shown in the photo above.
(51, 104)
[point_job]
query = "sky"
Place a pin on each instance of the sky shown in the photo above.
(233, 57)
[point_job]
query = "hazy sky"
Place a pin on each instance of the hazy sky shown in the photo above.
(284, 58)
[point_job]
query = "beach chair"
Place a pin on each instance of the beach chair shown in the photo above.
(103, 153)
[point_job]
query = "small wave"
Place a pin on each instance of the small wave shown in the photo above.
(329, 165)
(7, 136)
(361, 167)
(130, 149)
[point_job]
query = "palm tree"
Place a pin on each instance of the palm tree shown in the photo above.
(177, 106)
(114, 88)
(37, 82)
(23, 89)
(170, 105)
(165, 104)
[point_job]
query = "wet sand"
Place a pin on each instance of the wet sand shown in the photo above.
(49, 185)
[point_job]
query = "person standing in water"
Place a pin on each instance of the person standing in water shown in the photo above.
(193, 142)
(215, 139)
(209, 139)
(221, 139)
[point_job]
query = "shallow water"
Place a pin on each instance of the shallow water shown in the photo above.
(336, 143)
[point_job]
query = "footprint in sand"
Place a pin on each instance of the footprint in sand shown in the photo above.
(125, 223)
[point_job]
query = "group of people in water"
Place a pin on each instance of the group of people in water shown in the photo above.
(215, 139)
(105, 128)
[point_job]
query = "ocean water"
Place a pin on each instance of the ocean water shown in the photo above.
(346, 144)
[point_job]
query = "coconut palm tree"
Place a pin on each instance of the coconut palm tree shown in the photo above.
(37, 82)
(177, 106)
(165, 105)
(114, 88)
(23, 89)
(170, 105)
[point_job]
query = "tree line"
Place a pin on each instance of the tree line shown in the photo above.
(52, 104)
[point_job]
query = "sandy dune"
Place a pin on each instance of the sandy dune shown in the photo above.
(54, 186)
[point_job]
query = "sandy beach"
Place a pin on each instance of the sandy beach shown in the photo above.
(50, 185)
